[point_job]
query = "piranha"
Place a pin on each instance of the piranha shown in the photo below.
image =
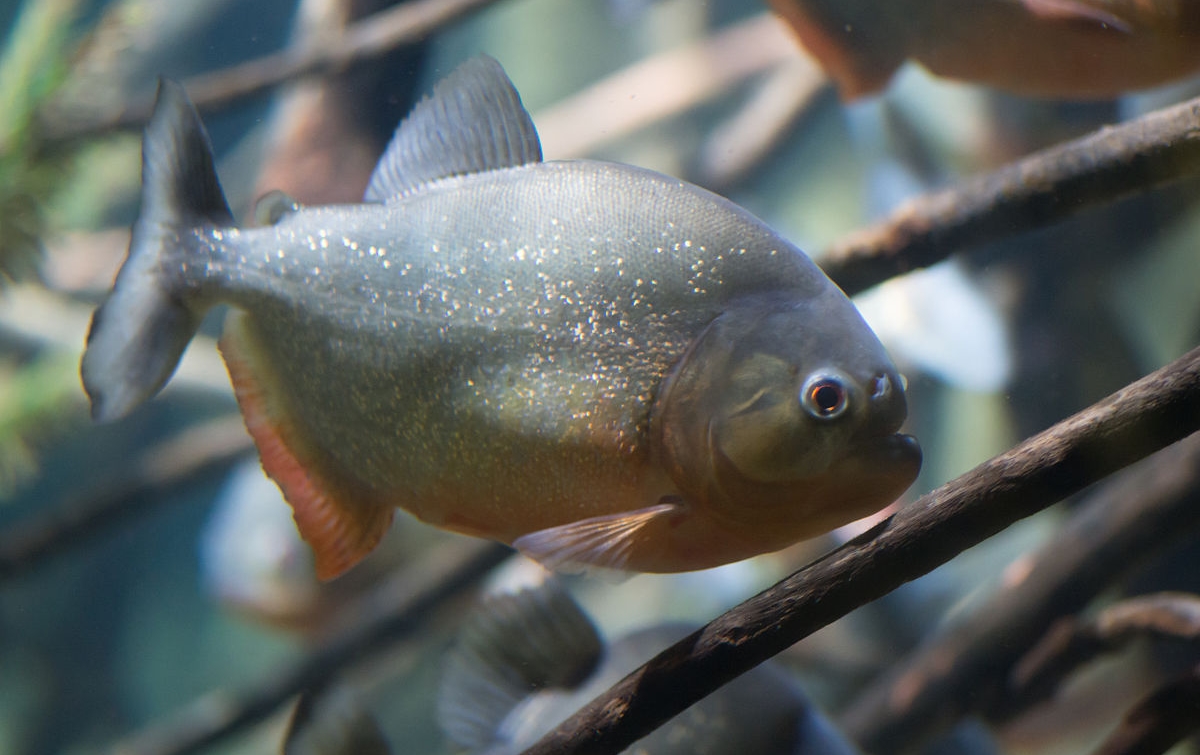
(1076, 49)
(524, 661)
(601, 365)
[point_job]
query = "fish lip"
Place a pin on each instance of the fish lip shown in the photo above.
(884, 453)
(896, 450)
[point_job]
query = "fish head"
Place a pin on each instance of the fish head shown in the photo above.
(786, 412)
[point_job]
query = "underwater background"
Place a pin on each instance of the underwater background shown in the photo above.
(152, 586)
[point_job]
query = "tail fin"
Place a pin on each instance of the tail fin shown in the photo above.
(140, 331)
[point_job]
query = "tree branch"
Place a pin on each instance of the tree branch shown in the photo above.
(1143, 417)
(668, 83)
(395, 611)
(1073, 642)
(362, 41)
(191, 455)
(1112, 533)
(1160, 721)
(1036, 191)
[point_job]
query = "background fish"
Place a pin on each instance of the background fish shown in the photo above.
(599, 364)
(1057, 48)
(333, 722)
(525, 661)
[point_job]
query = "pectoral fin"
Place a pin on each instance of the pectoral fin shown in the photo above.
(341, 526)
(603, 541)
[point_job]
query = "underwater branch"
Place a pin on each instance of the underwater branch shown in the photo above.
(362, 41)
(1132, 423)
(192, 455)
(1041, 189)
(968, 666)
(386, 616)
(1159, 721)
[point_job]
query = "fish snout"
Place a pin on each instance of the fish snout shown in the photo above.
(894, 454)
(886, 408)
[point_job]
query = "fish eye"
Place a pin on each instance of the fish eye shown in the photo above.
(273, 207)
(824, 397)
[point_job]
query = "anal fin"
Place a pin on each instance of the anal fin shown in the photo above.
(341, 526)
(600, 542)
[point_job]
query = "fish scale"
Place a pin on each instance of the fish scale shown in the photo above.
(593, 341)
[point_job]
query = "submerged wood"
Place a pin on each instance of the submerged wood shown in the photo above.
(1132, 423)
(361, 41)
(176, 463)
(1160, 721)
(1041, 189)
(1112, 533)
(1073, 642)
(395, 611)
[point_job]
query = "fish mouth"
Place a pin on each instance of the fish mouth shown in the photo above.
(891, 460)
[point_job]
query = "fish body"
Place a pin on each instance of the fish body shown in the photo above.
(525, 661)
(600, 364)
(332, 721)
(1078, 49)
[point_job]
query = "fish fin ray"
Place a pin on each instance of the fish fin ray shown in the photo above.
(603, 541)
(341, 529)
(513, 645)
(1077, 11)
(140, 331)
(472, 122)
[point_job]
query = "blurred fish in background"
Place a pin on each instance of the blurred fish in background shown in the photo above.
(1084, 49)
(524, 661)
(333, 721)
(250, 556)
(253, 560)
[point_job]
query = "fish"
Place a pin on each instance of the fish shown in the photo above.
(250, 555)
(333, 721)
(1071, 49)
(524, 661)
(603, 366)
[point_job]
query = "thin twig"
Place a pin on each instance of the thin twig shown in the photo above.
(412, 601)
(176, 463)
(362, 41)
(666, 84)
(1128, 425)
(1110, 535)
(743, 141)
(1160, 721)
(1073, 642)
(1041, 189)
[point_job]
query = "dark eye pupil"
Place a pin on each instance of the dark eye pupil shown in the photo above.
(827, 397)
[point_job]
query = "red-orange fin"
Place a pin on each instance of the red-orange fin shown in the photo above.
(341, 528)
(600, 542)
(858, 65)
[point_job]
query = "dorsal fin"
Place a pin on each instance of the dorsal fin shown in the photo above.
(473, 121)
(509, 648)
